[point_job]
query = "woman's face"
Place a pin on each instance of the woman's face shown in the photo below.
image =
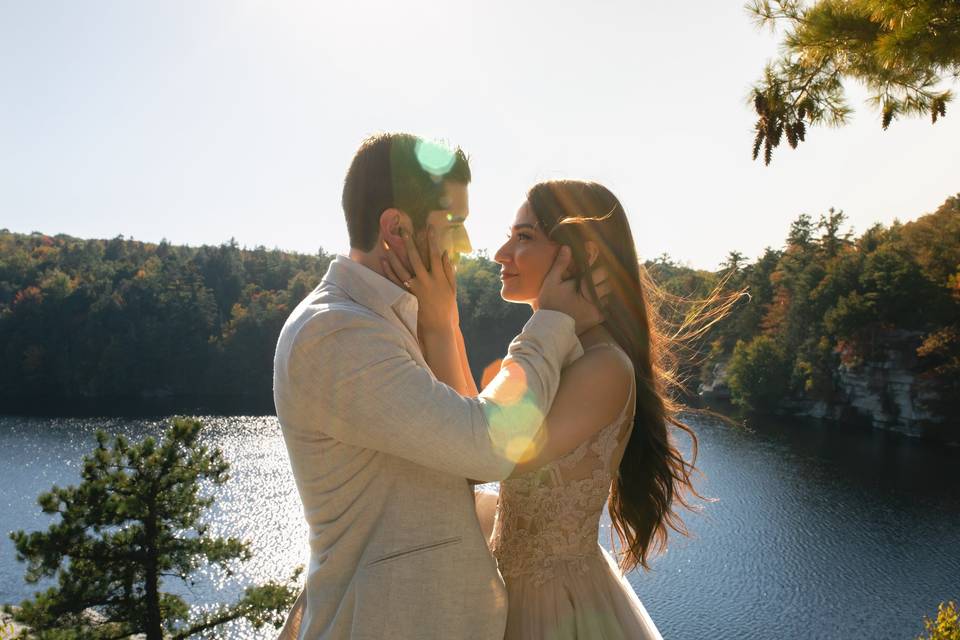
(525, 259)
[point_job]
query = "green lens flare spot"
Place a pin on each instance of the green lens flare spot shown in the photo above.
(435, 158)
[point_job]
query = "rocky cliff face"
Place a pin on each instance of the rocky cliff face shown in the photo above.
(888, 395)
(885, 392)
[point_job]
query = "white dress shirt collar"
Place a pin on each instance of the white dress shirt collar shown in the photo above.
(374, 291)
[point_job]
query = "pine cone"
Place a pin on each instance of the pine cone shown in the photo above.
(937, 109)
(759, 103)
(791, 136)
(887, 115)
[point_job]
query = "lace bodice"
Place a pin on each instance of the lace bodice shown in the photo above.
(552, 515)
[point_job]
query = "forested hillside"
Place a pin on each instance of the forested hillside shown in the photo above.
(839, 325)
(123, 325)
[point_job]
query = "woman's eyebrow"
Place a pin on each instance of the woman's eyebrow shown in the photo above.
(455, 219)
(524, 225)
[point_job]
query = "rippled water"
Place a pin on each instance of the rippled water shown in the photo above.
(816, 532)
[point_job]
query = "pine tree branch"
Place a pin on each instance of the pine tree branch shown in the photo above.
(229, 615)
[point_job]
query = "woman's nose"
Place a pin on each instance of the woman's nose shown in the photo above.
(502, 255)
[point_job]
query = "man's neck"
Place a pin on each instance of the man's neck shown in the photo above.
(369, 260)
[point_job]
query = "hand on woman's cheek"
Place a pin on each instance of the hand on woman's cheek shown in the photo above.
(547, 256)
(553, 252)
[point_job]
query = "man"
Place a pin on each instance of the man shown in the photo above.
(381, 451)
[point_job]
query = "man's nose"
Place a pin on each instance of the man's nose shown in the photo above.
(461, 241)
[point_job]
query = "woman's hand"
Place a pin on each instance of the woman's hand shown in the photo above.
(435, 289)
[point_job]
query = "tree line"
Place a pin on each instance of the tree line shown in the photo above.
(106, 322)
(829, 302)
(124, 325)
(120, 324)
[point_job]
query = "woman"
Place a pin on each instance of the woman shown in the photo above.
(606, 431)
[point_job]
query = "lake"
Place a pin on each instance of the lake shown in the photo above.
(816, 531)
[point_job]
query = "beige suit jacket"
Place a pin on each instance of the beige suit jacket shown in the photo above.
(381, 450)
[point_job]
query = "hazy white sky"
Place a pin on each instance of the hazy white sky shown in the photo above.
(198, 121)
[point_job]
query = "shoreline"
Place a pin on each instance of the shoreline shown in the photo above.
(249, 406)
(137, 407)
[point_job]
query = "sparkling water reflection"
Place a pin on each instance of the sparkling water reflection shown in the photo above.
(816, 532)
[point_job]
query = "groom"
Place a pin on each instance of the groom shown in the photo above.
(381, 450)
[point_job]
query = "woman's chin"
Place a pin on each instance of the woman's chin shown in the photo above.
(508, 295)
(514, 296)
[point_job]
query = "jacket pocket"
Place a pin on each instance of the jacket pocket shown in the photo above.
(396, 555)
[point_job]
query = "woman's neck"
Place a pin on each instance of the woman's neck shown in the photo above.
(595, 335)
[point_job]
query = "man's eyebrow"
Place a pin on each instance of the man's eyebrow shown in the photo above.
(453, 218)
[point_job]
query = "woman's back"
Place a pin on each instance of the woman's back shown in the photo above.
(560, 581)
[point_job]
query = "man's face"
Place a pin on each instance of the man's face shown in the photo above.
(448, 224)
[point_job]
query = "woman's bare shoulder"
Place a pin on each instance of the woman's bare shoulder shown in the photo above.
(602, 377)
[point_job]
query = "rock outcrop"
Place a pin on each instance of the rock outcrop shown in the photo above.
(886, 392)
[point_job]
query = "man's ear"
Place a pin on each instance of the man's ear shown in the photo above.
(391, 222)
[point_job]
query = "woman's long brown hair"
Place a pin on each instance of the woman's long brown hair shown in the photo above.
(654, 478)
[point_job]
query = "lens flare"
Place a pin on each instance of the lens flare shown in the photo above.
(513, 428)
(490, 372)
(509, 384)
(514, 418)
(461, 241)
(520, 449)
(435, 158)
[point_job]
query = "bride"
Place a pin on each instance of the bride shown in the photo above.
(606, 432)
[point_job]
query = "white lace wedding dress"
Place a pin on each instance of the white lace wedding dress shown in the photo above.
(561, 583)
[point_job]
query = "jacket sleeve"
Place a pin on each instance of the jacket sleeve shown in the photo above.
(355, 381)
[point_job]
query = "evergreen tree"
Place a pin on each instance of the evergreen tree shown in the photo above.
(831, 241)
(131, 523)
(900, 50)
(801, 232)
(733, 262)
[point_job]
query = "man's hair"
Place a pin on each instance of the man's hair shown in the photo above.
(402, 171)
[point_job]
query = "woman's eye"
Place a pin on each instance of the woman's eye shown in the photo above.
(524, 236)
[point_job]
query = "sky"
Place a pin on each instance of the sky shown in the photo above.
(201, 121)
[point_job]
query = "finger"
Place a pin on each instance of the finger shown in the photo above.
(413, 255)
(601, 284)
(398, 269)
(448, 270)
(433, 248)
(555, 275)
(603, 289)
(388, 271)
(599, 275)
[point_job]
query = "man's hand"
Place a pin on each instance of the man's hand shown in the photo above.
(561, 295)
